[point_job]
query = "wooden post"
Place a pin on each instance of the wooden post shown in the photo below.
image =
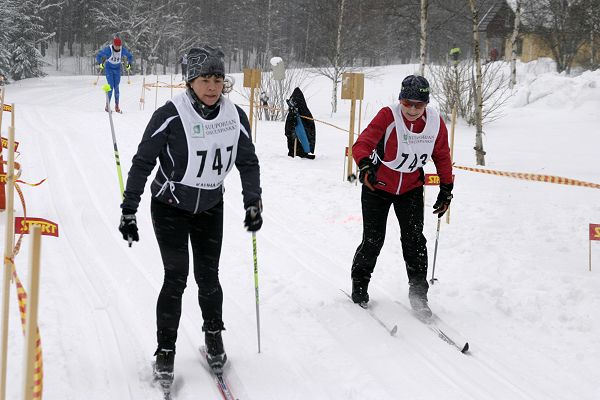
(156, 94)
(252, 112)
(8, 262)
(258, 110)
(31, 326)
(594, 235)
(2, 186)
(2, 89)
(143, 95)
(252, 80)
(452, 126)
(352, 89)
(351, 135)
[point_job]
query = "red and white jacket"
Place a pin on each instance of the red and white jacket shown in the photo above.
(373, 138)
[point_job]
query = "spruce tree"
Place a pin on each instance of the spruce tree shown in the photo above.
(26, 59)
(7, 15)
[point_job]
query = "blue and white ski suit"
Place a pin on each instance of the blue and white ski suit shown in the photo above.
(112, 66)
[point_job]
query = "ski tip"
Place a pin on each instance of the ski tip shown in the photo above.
(394, 330)
(465, 348)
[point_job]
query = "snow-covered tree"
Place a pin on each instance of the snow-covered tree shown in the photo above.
(7, 15)
(25, 58)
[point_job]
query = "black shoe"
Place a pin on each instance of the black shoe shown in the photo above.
(215, 352)
(164, 365)
(359, 293)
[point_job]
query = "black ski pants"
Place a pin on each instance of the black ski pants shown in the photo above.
(409, 212)
(174, 229)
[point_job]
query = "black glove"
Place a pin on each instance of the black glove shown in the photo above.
(253, 220)
(443, 200)
(128, 227)
(367, 170)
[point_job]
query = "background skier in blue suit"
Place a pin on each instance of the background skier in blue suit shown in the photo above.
(110, 59)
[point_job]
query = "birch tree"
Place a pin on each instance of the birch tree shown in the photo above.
(335, 57)
(423, 37)
(513, 44)
(479, 153)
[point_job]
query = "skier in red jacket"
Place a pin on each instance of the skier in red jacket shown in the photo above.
(390, 154)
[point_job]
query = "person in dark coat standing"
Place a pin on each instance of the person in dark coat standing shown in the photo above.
(198, 137)
(390, 154)
(297, 107)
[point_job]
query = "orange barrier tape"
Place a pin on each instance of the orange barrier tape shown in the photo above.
(533, 177)
(38, 365)
(31, 184)
(160, 84)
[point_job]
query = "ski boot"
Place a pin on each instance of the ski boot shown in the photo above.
(164, 366)
(417, 295)
(215, 352)
(117, 109)
(359, 293)
(106, 109)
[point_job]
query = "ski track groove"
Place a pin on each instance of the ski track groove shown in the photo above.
(101, 284)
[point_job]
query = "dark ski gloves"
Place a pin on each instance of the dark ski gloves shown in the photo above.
(253, 220)
(367, 171)
(128, 227)
(443, 200)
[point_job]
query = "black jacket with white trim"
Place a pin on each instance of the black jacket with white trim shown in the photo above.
(165, 139)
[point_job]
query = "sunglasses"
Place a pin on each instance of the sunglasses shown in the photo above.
(419, 105)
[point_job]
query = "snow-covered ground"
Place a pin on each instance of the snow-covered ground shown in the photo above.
(512, 264)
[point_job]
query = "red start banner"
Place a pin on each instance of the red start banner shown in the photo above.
(23, 226)
(594, 231)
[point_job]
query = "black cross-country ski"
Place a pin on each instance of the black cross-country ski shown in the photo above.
(165, 381)
(392, 331)
(441, 329)
(219, 378)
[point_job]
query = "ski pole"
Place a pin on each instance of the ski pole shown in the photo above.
(437, 237)
(107, 89)
(256, 288)
(97, 78)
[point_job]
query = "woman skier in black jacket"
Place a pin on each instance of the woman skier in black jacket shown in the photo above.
(197, 137)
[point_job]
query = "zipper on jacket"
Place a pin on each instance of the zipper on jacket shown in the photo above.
(197, 201)
(400, 183)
